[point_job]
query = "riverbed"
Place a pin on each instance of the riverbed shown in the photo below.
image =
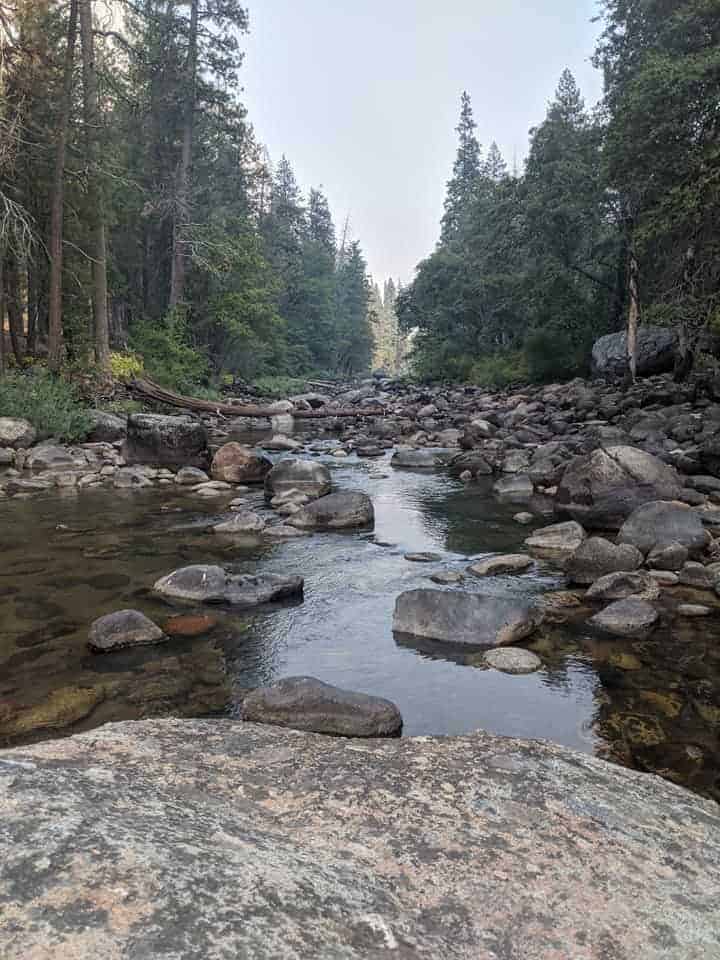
(70, 557)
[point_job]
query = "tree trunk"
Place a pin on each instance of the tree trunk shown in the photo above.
(33, 310)
(55, 327)
(2, 310)
(95, 194)
(688, 332)
(182, 191)
(14, 306)
(633, 315)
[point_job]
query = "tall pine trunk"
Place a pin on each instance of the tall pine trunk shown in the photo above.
(55, 326)
(14, 306)
(182, 190)
(95, 194)
(633, 315)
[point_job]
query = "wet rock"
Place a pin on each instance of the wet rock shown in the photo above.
(106, 427)
(557, 542)
(464, 619)
(513, 660)
(596, 557)
(191, 625)
(671, 556)
(125, 628)
(22, 485)
(281, 442)
(213, 488)
(212, 584)
(61, 708)
(495, 566)
(337, 511)
(518, 487)
(310, 478)
(660, 523)
(307, 871)
(602, 489)
(474, 462)
(524, 518)
(627, 618)
(619, 585)
(234, 463)
(166, 441)
(422, 557)
(282, 531)
(448, 577)
(127, 477)
(304, 703)
(656, 353)
(245, 523)
(16, 433)
(190, 476)
(423, 458)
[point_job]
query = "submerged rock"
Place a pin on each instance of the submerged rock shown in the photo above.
(307, 476)
(337, 511)
(619, 585)
(513, 660)
(212, 584)
(295, 845)
(234, 463)
(422, 458)
(304, 703)
(124, 628)
(627, 618)
(464, 619)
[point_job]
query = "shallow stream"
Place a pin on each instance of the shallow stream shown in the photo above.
(70, 557)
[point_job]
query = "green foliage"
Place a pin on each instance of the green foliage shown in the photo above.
(551, 356)
(125, 366)
(48, 401)
(499, 371)
(280, 387)
(168, 355)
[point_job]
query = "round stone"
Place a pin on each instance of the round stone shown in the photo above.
(514, 660)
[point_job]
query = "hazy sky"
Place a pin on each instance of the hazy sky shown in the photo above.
(363, 98)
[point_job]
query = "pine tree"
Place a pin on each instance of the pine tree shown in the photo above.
(494, 168)
(463, 185)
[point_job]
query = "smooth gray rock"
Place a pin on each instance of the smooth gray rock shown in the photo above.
(190, 476)
(16, 433)
(215, 839)
(337, 511)
(307, 476)
(558, 542)
(595, 557)
(627, 618)
(124, 628)
(602, 489)
(622, 584)
(506, 563)
(513, 660)
(212, 584)
(670, 556)
(52, 456)
(166, 441)
(464, 619)
(106, 427)
(422, 458)
(305, 703)
(661, 523)
(656, 353)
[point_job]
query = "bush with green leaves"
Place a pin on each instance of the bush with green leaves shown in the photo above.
(552, 356)
(499, 370)
(51, 404)
(168, 355)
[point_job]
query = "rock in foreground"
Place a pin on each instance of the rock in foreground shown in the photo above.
(338, 511)
(165, 441)
(216, 839)
(304, 703)
(125, 628)
(210, 584)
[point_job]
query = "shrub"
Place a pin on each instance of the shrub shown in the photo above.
(499, 370)
(551, 356)
(48, 401)
(125, 366)
(168, 355)
(280, 387)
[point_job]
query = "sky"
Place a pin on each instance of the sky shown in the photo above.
(363, 99)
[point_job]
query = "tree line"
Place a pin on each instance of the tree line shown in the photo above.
(139, 212)
(613, 222)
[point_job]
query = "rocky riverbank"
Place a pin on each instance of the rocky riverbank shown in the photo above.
(216, 839)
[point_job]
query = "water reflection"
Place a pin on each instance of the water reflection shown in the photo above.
(654, 704)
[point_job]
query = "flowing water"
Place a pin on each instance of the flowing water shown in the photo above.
(68, 558)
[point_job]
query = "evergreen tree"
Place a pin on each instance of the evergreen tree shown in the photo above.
(463, 185)
(354, 335)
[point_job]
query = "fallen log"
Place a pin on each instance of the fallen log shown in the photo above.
(149, 390)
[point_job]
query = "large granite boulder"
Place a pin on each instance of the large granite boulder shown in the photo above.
(211, 584)
(305, 703)
(602, 489)
(106, 427)
(307, 476)
(219, 839)
(596, 556)
(234, 463)
(16, 433)
(557, 543)
(165, 441)
(464, 619)
(660, 524)
(337, 511)
(52, 456)
(656, 353)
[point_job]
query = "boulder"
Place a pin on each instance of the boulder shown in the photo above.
(595, 557)
(464, 619)
(52, 456)
(627, 618)
(668, 556)
(507, 563)
(165, 441)
(280, 442)
(16, 433)
(659, 524)
(125, 628)
(621, 584)
(190, 476)
(513, 660)
(557, 542)
(656, 353)
(211, 584)
(216, 839)
(602, 489)
(310, 478)
(304, 703)
(473, 461)
(234, 463)
(106, 427)
(337, 511)
(241, 524)
(422, 458)
(515, 488)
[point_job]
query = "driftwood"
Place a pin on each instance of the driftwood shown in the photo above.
(153, 391)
